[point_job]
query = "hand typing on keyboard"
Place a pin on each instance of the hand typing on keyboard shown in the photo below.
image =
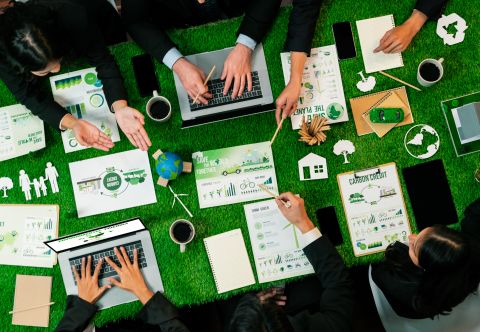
(87, 283)
(192, 79)
(237, 71)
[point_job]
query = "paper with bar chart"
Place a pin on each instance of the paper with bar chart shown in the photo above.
(23, 229)
(81, 93)
(231, 175)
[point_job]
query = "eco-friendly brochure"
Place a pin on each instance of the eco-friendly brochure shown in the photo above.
(374, 207)
(81, 93)
(322, 88)
(23, 229)
(277, 245)
(21, 132)
(111, 183)
(231, 175)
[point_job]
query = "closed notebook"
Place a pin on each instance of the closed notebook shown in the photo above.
(370, 32)
(229, 261)
(30, 292)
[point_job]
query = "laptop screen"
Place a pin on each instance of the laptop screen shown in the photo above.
(94, 235)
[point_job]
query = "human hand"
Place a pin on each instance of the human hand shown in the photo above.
(399, 38)
(131, 278)
(274, 294)
(238, 68)
(296, 213)
(287, 101)
(192, 79)
(89, 135)
(131, 122)
(87, 284)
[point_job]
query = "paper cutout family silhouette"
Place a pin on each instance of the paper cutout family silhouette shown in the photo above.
(39, 184)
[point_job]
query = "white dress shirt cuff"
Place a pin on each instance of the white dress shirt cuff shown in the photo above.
(247, 41)
(171, 57)
(311, 236)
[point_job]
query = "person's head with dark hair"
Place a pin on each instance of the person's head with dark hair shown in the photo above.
(450, 274)
(29, 40)
(252, 315)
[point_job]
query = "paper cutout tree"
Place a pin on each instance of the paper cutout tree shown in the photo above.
(344, 147)
(5, 184)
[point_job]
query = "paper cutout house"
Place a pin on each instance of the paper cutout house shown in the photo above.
(312, 167)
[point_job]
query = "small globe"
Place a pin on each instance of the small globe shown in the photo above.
(422, 141)
(169, 166)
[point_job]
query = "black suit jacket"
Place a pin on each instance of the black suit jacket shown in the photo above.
(431, 8)
(323, 303)
(78, 21)
(400, 285)
(147, 20)
(301, 26)
(157, 312)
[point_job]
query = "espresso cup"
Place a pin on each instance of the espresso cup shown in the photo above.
(429, 72)
(182, 232)
(159, 108)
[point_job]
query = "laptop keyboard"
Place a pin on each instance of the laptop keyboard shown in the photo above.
(107, 270)
(216, 86)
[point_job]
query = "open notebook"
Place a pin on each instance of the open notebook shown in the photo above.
(370, 32)
(229, 261)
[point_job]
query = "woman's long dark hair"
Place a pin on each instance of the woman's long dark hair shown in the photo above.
(29, 40)
(450, 272)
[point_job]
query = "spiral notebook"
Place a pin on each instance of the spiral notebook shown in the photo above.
(229, 261)
(370, 32)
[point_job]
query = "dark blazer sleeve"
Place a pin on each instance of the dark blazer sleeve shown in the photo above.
(301, 25)
(136, 16)
(259, 16)
(160, 312)
(35, 99)
(77, 316)
(471, 222)
(86, 40)
(431, 8)
(336, 300)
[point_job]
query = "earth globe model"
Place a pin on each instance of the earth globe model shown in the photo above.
(422, 141)
(169, 166)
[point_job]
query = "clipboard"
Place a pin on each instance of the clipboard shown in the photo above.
(374, 208)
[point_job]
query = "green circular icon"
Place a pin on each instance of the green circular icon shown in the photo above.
(262, 246)
(112, 181)
(96, 100)
(258, 225)
(91, 78)
(260, 236)
(334, 111)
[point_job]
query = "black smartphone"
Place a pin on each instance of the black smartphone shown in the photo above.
(145, 75)
(342, 32)
(327, 219)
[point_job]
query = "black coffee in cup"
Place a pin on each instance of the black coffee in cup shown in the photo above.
(430, 72)
(159, 109)
(182, 231)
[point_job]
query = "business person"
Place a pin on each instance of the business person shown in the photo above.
(301, 27)
(157, 314)
(435, 272)
(147, 20)
(399, 38)
(321, 303)
(37, 36)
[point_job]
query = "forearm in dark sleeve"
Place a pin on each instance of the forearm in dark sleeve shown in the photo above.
(77, 315)
(301, 26)
(259, 16)
(431, 8)
(160, 312)
(471, 221)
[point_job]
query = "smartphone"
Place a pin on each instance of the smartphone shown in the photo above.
(327, 219)
(342, 32)
(145, 75)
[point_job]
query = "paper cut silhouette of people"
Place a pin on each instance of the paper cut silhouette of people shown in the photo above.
(51, 175)
(43, 186)
(36, 186)
(24, 181)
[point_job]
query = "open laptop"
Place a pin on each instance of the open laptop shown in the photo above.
(99, 243)
(222, 107)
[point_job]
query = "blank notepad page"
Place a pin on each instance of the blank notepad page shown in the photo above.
(229, 261)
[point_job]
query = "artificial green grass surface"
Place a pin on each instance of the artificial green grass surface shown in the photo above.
(187, 277)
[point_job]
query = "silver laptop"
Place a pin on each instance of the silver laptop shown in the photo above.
(98, 243)
(260, 95)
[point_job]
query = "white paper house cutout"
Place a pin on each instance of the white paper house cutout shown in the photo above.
(312, 167)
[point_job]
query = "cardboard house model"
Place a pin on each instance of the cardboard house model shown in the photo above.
(312, 167)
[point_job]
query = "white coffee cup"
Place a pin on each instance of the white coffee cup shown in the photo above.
(436, 63)
(156, 98)
(182, 241)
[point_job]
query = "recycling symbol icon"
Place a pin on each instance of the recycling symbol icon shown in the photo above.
(443, 29)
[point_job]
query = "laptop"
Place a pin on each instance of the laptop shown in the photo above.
(99, 243)
(221, 107)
